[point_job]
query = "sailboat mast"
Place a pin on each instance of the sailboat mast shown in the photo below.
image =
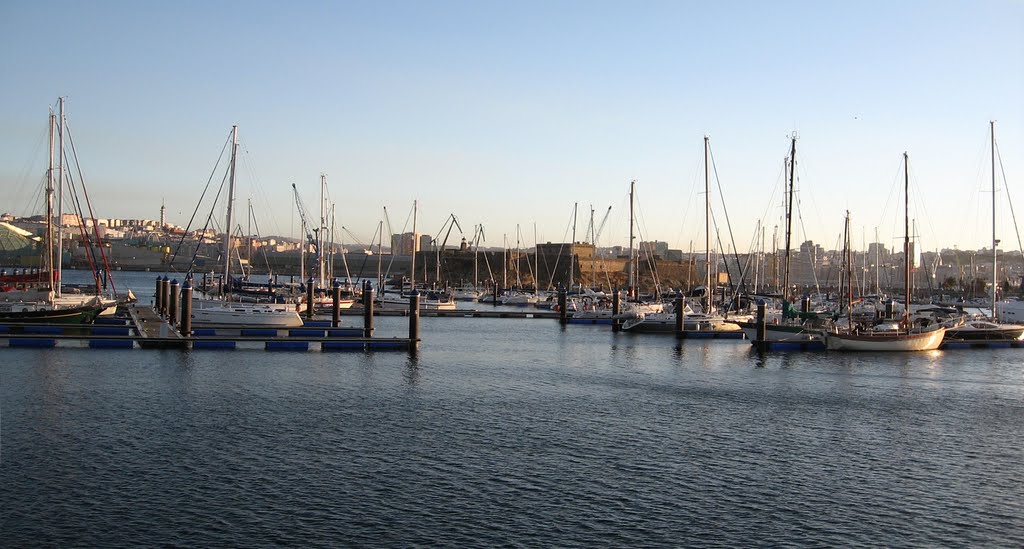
(878, 267)
(415, 245)
(707, 232)
(60, 199)
(849, 267)
(476, 257)
(789, 218)
(906, 238)
(572, 246)
(995, 243)
(231, 202)
(48, 264)
(632, 260)
(320, 234)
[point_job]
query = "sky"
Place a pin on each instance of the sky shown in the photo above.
(511, 115)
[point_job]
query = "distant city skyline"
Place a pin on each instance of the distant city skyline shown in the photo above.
(508, 115)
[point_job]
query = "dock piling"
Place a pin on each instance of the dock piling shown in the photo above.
(414, 321)
(309, 299)
(172, 307)
(563, 299)
(158, 294)
(185, 326)
(762, 328)
(165, 293)
(680, 314)
(335, 303)
(616, 306)
(368, 309)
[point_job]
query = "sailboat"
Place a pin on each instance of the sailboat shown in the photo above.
(890, 335)
(222, 312)
(430, 300)
(322, 295)
(704, 320)
(989, 329)
(790, 329)
(46, 304)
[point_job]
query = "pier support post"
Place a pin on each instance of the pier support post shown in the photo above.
(185, 326)
(172, 307)
(158, 294)
(494, 296)
(335, 303)
(165, 294)
(368, 309)
(563, 306)
(680, 314)
(805, 305)
(616, 309)
(309, 299)
(762, 327)
(414, 321)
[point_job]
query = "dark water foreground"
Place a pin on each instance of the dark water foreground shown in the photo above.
(512, 432)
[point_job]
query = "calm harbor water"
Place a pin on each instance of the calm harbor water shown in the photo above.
(511, 432)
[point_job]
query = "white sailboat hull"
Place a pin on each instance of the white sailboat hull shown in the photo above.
(205, 313)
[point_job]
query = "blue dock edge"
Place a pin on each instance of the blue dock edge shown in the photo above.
(44, 330)
(305, 332)
(388, 345)
(344, 332)
(287, 346)
(343, 346)
(227, 345)
(111, 343)
(37, 343)
(259, 332)
(111, 321)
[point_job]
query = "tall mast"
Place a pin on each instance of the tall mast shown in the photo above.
(415, 245)
(707, 232)
(380, 244)
(228, 223)
(775, 256)
(632, 261)
(48, 263)
(906, 238)
(320, 238)
(995, 243)
(789, 218)
(572, 246)
(849, 268)
(60, 200)
(878, 267)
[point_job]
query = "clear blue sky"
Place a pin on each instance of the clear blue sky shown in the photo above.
(508, 113)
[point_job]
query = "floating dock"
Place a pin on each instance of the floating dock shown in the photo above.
(142, 327)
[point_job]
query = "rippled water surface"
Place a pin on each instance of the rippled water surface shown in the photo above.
(507, 431)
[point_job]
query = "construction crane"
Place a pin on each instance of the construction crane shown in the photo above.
(452, 221)
(600, 228)
(307, 230)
